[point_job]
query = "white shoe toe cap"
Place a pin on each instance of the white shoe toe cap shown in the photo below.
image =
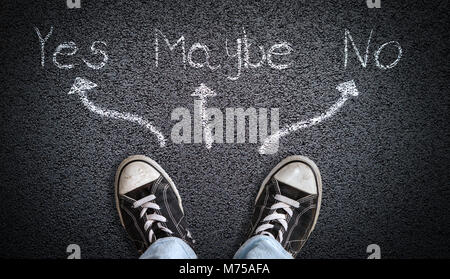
(298, 175)
(136, 174)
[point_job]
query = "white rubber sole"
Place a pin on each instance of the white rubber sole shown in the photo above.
(316, 173)
(154, 165)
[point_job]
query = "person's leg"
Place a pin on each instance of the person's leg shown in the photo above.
(262, 247)
(286, 211)
(169, 248)
(150, 210)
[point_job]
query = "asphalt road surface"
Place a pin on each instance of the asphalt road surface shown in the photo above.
(384, 156)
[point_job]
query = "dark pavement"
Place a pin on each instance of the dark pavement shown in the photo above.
(384, 157)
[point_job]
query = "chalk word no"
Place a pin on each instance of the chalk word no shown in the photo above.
(364, 60)
(68, 49)
(212, 130)
(241, 55)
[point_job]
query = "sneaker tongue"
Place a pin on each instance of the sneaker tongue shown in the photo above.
(140, 192)
(291, 192)
(276, 228)
(159, 233)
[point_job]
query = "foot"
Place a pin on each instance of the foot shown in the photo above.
(148, 203)
(288, 203)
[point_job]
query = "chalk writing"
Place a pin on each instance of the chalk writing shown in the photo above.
(364, 60)
(69, 49)
(241, 54)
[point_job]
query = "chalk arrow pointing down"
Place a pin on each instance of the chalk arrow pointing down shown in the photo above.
(81, 86)
(347, 90)
(203, 92)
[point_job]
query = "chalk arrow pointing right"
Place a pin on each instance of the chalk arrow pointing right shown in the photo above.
(82, 85)
(347, 90)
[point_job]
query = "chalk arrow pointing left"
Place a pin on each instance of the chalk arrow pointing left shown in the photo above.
(347, 90)
(82, 85)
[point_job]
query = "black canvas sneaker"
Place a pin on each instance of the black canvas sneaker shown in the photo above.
(288, 203)
(148, 203)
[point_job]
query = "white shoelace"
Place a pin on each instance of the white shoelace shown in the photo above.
(283, 203)
(147, 203)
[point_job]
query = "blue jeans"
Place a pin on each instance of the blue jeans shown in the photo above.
(257, 247)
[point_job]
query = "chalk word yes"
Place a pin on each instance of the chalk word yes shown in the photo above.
(73, 4)
(68, 49)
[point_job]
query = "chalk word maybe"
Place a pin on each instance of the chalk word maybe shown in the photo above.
(241, 54)
(70, 49)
